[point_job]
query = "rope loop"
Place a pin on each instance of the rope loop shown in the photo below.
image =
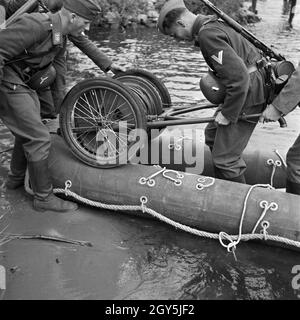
(276, 163)
(144, 201)
(68, 186)
(202, 183)
(178, 145)
(177, 181)
(232, 245)
(150, 180)
(265, 226)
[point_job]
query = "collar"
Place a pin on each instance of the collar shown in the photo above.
(200, 21)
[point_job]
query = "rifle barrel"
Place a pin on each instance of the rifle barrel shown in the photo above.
(244, 32)
(27, 7)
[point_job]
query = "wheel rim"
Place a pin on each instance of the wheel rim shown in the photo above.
(101, 125)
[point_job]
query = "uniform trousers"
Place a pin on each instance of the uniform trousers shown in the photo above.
(20, 112)
(227, 144)
(293, 162)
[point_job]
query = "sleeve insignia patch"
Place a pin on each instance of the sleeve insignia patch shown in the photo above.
(219, 58)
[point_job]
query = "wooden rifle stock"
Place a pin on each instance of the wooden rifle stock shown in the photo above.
(245, 33)
(29, 6)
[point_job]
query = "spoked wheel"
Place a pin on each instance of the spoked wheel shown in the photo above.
(99, 119)
(156, 84)
(152, 103)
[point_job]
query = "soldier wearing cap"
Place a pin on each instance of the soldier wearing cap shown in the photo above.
(233, 59)
(33, 43)
(48, 109)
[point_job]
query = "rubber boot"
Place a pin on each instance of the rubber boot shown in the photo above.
(292, 187)
(44, 199)
(18, 166)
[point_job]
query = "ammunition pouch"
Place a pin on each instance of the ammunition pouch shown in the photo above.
(41, 79)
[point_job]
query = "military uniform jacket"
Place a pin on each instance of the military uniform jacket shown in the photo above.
(230, 55)
(33, 36)
(289, 97)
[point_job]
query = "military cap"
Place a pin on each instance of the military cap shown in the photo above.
(87, 9)
(168, 7)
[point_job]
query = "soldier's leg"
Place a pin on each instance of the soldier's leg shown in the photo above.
(18, 162)
(22, 117)
(229, 145)
(18, 166)
(47, 104)
(292, 12)
(293, 168)
(210, 135)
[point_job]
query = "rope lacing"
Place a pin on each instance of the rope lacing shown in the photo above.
(234, 240)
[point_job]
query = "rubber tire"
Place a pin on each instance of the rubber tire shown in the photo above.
(149, 94)
(158, 84)
(70, 100)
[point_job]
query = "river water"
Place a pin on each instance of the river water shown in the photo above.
(142, 259)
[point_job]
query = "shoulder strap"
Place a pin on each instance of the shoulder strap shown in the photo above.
(57, 36)
(57, 39)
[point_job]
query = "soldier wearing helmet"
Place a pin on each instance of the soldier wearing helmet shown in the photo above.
(233, 61)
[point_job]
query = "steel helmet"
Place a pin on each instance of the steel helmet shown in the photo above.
(212, 88)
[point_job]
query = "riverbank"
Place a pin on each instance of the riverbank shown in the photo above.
(127, 13)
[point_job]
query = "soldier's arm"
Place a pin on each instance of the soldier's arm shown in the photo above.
(92, 51)
(19, 36)
(233, 73)
(289, 97)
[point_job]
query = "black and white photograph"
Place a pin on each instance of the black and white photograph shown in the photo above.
(150, 153)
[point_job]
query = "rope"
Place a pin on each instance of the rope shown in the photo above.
(276, 164)
(233, 239)
(281, 158)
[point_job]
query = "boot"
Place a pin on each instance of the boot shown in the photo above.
(239, 179)
(220, 175)
(44, 199)
(292, 187)
(18, 166)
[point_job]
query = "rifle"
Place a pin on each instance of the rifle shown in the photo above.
(270, 53)
(245, 33)
(29, 6)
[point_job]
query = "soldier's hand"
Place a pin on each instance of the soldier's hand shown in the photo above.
(115, 68)
(270, 114)
(221, 120)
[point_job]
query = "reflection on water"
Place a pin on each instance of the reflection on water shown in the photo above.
(138, 259)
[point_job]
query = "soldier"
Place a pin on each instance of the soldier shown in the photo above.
(48, 109)
(285, 102)
(292, 4)
(234, 60)
(35, 42)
